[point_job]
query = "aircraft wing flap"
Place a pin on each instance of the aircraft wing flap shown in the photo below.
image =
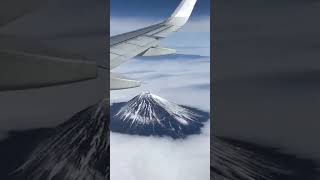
(166, 32)
(124, 51)
(151, 33)
(113, 56)
(124, 48)
(116, 60)
(118, 82)
(158, 51)
(142, 41)
(19, 70)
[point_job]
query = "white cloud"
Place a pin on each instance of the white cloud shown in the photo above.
(174, 80)
(145, 158)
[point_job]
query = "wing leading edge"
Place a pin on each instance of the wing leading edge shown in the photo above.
(145, 42)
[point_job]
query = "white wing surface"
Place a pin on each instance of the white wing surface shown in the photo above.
(145, 42)
(51, 42)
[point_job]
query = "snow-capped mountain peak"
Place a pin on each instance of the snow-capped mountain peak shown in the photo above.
(147, 108)
(150, 113)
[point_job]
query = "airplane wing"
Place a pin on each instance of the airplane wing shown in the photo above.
(145, 42)
(51, 42)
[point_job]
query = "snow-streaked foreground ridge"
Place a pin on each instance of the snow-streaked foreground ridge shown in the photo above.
(149, 114)
(75, 150)
(235, 160)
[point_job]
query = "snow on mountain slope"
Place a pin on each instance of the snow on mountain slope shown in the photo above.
(76, 150)
(149, 114)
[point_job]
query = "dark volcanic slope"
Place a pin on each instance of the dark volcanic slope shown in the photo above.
(148, 114)
(235, 160)
(75, 150)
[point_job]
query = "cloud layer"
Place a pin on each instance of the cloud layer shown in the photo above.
(145, 158)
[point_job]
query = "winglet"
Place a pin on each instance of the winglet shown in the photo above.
(184, 9)
(181, 15)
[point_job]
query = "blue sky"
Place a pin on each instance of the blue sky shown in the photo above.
(153, 8)
(134, 14)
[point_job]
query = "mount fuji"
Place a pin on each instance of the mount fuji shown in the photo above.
(148, 114)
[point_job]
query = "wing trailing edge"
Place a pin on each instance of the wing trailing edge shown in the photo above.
(20, 71)
(158, 51)
(118, 82)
